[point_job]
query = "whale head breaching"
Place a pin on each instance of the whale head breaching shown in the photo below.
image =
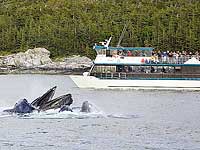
(21, 107)
(86, 107)
(42, 100)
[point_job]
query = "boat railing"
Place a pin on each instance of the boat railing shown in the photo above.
(110, 75)
(176, 60)
(161, 60)
(122, 75)
(172, 60)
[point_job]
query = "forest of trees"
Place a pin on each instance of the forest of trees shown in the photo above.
(67, 27)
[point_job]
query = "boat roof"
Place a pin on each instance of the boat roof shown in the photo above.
(96, 47)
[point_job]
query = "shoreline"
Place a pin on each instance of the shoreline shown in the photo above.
(48, 71)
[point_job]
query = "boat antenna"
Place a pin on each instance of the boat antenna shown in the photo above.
(108, 42)
(122, 35)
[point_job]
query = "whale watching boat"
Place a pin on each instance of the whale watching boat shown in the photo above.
(139, 68)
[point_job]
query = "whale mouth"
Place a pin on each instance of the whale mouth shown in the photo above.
(42, 100)
(57, 102)
(45, 102)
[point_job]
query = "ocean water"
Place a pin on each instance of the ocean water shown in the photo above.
(121, 119)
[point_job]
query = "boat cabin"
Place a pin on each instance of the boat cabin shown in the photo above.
(122, 55)
(139, 63)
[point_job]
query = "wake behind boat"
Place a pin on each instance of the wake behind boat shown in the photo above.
(140, 68)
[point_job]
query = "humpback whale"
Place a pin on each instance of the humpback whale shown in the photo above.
(42, 103)
(21, 107)
(86, 107)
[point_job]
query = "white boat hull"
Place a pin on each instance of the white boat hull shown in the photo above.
(93, 82)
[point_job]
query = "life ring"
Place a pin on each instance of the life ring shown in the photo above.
(142, 60)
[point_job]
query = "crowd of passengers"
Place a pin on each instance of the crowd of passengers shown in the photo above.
(174, 57)
(175, 54)
(165, 56)
(146, 69)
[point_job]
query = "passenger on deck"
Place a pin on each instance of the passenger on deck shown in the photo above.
(129, 53)
(152, 69)
(163, 70)
(120, 53)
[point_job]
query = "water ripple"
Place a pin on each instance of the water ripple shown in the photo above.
(123, 116)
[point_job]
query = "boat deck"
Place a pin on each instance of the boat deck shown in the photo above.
(147, 76)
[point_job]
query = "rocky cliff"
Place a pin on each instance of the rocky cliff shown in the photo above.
(38, 60)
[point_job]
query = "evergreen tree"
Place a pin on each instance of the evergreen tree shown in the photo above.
(73, 26)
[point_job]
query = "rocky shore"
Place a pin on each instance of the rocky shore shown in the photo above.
(38, 60)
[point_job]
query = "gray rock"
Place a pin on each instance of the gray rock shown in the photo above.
(76, 59)
(37, 59)
(31, 58)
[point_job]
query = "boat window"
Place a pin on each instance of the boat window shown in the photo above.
(104, 52)
(113, 53)
(171, 69)
(101, 52)
(108, 53)
(119, 68)
(104, 69)
(148, 53)
(98, 52)
(165, 69)
(137, 53)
